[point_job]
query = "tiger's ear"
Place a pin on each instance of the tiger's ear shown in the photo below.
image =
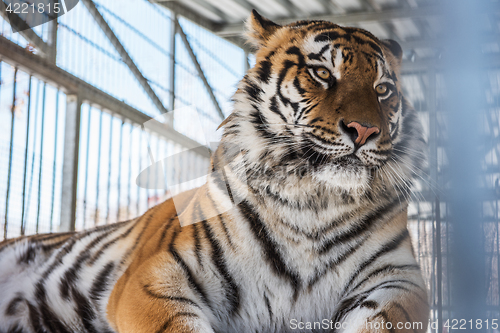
(395, 49)
(260, 29)
(225, 121)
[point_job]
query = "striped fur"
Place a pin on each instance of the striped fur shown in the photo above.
(297, 223)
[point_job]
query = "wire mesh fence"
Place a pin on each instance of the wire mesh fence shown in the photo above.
(114, 149)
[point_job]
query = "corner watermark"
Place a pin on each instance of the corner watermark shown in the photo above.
(27, 14)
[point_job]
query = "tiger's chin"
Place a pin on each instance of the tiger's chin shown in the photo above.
(353, 179)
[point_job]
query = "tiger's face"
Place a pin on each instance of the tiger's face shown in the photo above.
(321, 98)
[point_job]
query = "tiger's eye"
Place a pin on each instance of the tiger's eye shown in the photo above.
(381, 89)
(323, 73)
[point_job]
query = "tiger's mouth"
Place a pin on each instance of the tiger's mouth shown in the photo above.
(318, 159)
(327, 154)
(348, 161)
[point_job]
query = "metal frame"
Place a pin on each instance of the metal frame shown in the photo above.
(386, 15)
(16, 56)
(123, 54)
(71, 153)
(78, 92)
(198, 68)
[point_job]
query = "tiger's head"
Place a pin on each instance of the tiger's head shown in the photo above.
(323, 106)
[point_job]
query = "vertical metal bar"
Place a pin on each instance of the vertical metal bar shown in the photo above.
(5, 228)
(26, 157)
(33, 155)
(150, 154)
(54, 166)
(85, 182)
(119, 187)
(70, 163)
(109, 167)
(439, 264)
(140, 169)
(52, 40)
(12, 123)
(246, 63)
(96, 211)
(465, 98)
(173, 34)
(448, 260)
(129, 171)
(40, 167)
(433, 155)
(158, 170)
(498, 254)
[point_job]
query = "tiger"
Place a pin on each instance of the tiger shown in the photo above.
(301, 225)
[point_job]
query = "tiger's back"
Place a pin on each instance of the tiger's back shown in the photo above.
(61, 288)
(302, 220)
(61, 282)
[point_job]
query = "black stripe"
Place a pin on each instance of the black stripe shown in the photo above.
(261, 125)
(319, 55)
(169, 322)
(269, 308)
(328, 36)
(264, 71)
(166, 227)
(219, 260)
(305, 111)
(52, 246)
(222, 185)
(72, 274)
(28, 255)
(355, 301)
(196, 236)
(187, 271)
(275, 108)
(323, 140)
(369, 305)
(269, 247)
(385, 269)
(84, 310)
(386, 248)
(335, 262)
(184, 300)
(253, 91)
(12, 307)
(296, 84)
(219, 182)
(221, 220)
(348, 305)
(287, 64)
(66, 249)
(361, 227)
(101, 282)
(296, 51)
(47, 316)
(100, 252)
(405, 313)
(35, 319)
(350, 35)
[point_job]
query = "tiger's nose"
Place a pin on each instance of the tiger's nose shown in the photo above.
(363, 132)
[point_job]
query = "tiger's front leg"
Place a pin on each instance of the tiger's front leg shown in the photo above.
(143, 303)
(392, 306)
